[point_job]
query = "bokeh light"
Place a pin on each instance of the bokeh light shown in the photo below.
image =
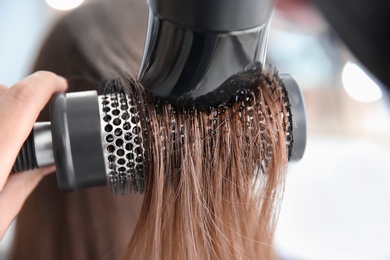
(359, 85)
(64, 5)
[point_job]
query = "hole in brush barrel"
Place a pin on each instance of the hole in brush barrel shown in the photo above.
(111, 158)
(119, 142)
(128, 136)
(138, 150)
(108, 128)
(117, 121)
(121, 161)
(107, 118)
(135, 120)
(136, 130)
(125, 116)
(110, 148)
(137, 140)
(109, 138)
(129, 156)
(126, 126)
(118, 132)
(129, 147)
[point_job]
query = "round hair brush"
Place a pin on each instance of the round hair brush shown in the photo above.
(94, 140)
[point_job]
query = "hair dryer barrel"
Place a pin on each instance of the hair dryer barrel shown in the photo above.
(193, 48)
(214, 15)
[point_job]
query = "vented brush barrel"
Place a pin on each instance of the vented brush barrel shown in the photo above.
(91, 139)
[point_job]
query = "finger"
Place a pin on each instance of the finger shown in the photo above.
(19, 108)
(3, 89)
(15, 192)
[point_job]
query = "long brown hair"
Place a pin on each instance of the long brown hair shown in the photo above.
(214, 177)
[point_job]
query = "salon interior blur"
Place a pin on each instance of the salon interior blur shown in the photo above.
(337, 199)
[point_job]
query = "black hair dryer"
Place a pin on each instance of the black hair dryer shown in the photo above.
(194, 46)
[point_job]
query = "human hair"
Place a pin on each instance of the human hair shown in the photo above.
(213, 178)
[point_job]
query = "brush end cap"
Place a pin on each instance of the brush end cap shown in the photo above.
(299, 129)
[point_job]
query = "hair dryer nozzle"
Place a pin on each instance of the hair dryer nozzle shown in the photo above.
(183, 63)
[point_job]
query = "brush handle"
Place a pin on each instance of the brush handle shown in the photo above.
(26, 159)
(37, 150)
(72, 141)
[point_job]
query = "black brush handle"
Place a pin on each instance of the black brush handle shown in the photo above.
(26, 159)
(72, 141)
(37, 150)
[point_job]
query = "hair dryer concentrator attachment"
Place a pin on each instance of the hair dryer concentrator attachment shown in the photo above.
(193, 47)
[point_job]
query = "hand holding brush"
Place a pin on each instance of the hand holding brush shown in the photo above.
(20, 106)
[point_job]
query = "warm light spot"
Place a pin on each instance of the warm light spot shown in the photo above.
(64, 5)
(359, 85)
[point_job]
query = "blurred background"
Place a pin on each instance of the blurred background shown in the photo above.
(337, 199)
